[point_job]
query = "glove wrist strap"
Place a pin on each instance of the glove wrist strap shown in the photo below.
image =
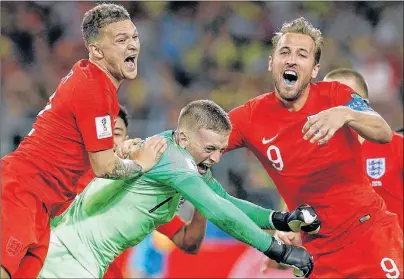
(276, 250)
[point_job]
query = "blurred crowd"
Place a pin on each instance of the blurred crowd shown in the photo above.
(195, 50)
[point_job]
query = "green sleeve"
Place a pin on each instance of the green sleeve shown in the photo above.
(259, 215)
(99, 192)
(222, 213)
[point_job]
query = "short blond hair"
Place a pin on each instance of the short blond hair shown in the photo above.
(204, 114)
(345, 73)
(301, 26)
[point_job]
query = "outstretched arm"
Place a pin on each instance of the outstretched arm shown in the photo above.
(303, 218)
(222, 213)
(233, 221)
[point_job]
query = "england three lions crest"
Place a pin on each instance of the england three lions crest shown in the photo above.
(376, 167)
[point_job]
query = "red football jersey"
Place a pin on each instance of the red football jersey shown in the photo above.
(384, 167)
(78, 118)
(329, 177)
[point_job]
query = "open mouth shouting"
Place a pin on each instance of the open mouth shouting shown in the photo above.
(290, 77)
(203, 168)
(130, 61)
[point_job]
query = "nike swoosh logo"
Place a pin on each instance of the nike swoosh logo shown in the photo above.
(264, 141)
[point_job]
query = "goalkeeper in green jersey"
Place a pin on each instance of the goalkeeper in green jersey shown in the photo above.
(110, 215)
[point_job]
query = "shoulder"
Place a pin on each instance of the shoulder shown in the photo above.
(177, 159)
(262, 100)
(256, 104)
(91, 77)
(325, 88)
(397, 139)
(333, 92)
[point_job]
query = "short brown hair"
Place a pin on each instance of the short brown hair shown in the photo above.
(301, 26)
(204, 114)
(99, 17)
(345, 73)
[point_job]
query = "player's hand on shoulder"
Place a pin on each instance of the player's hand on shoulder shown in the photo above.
(291, 256)
(302, 219)
(322, 126)
(122, 150)
(149, 153)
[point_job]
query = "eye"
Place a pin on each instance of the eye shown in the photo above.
(121, 40)
(284, 52)
(303, 55)
(135, 37)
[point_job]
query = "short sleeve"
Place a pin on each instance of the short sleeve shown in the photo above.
(93, 108)
(239, 118)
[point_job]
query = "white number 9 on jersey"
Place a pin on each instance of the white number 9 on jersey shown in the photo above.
(390, 267)
(274, 155)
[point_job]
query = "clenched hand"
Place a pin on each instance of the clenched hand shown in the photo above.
(322, 126)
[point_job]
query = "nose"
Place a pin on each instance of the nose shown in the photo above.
(215, 157)
(134, 44)
(291, 60)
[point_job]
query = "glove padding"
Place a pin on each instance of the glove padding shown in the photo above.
(291, 256)
(302, 219)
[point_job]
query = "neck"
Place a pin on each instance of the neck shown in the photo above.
(297, 104)
(103, 68)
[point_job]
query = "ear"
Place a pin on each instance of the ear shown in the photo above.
(95, 51)
(269, 63)
(183, 140)
(315, 71)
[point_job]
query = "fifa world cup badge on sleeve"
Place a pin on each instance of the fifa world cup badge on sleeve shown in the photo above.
(103, 126)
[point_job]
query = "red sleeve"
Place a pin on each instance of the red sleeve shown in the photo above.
(93, 108)
(172, 227)
(398, 149)
(340, 93)
(239, 118)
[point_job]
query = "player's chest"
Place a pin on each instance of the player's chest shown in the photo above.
(280, 144)
(381, 167)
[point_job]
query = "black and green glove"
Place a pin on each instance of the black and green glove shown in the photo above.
(291, 256)
(302, 219)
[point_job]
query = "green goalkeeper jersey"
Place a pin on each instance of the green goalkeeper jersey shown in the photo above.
(110, 216)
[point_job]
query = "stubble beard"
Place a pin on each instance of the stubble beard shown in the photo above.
(299, 92)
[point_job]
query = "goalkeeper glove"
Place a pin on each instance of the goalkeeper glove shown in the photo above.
(291, 256)
(303, 218)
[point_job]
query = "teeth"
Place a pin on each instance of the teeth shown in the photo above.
(290, 73)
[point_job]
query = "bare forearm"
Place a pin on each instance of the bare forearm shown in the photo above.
(369, 125)
(190, 236)
(122, 169)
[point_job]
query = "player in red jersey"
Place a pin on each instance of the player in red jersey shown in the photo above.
(305, 136)
(71, 134)
(383, 162)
